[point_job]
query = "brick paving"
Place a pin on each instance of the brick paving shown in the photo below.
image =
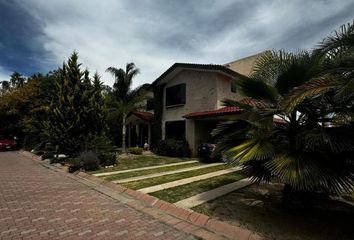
(39, 203)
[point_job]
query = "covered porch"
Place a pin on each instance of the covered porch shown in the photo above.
(199, 125)
(139, 129)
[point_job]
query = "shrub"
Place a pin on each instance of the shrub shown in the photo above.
(48, 155)
(56, 160)
(135, 150)
(100, 144)
(107, 159)
(173, 148)
(88, 161)
(74, 164)
(105, 150)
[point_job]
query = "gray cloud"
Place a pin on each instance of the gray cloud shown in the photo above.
(155, 34)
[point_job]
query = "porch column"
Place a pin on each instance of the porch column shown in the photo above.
(163, 130)
(129, 135)
(149, 134)
(137, 128)
(190, 136)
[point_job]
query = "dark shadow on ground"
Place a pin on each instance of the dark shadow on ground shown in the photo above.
(259, 208)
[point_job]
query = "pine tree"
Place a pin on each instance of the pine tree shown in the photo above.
(76, 111)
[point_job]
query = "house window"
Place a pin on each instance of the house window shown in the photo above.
(175, 130)
(176, 95)
(233, 86)
(150, 104)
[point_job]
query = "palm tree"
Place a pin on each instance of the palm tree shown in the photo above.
(337, 80)
(126, 99)
(300, 149)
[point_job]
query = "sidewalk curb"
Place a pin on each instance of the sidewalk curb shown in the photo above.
(185, 220)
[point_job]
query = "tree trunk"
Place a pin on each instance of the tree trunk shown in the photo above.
(124, 130)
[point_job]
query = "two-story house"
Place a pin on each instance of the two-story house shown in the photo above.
(187, 102)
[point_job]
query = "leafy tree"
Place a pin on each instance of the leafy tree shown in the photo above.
(124, 99)
(21, 105)
(17, 80)
(5, 87)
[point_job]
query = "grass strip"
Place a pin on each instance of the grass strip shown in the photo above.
(150, 171)
(185, 191)
(141, 161)
(173, 177)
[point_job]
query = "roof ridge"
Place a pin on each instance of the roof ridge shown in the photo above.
(211, 66)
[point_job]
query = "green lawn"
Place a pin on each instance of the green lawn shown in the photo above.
(173, 177)
(185, 191)
(141, 161)
(150, 171)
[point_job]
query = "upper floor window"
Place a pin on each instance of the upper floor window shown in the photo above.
(176, 95)
(233, 86)
(150, 104)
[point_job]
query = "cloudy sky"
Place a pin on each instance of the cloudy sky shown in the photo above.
(38, 35)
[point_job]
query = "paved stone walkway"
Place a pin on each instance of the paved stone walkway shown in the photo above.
(39, 203)
(138, 178)
(143, 168)
(187, 180)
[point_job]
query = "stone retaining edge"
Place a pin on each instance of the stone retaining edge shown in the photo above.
(202, 225)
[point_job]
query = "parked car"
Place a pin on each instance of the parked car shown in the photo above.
(7, 143)
(206, 151)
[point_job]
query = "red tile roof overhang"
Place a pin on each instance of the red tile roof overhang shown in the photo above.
(223, 112)
(227, 110)
(219, 112)
(146, 116)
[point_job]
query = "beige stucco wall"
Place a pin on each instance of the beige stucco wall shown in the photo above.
(224, 90)
(201, 94)
(244, 65)
(204, 92)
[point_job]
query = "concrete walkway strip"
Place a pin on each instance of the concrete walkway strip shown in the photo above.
(143, 168)
(138, 178)
(187, 180)
(212, 194)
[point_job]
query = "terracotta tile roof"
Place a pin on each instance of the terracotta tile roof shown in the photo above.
(227, 110)
(146, 116)
(217, 112)
(254, 102)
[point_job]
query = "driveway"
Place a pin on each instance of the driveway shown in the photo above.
(39, 203)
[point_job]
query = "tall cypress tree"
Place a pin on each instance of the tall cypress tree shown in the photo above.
(75, 112)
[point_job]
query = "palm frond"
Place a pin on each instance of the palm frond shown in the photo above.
(296, 70)
(252, 149)
(312, 88)
(268, 66)
(257, 89)
(344, 37)
(295, 171)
